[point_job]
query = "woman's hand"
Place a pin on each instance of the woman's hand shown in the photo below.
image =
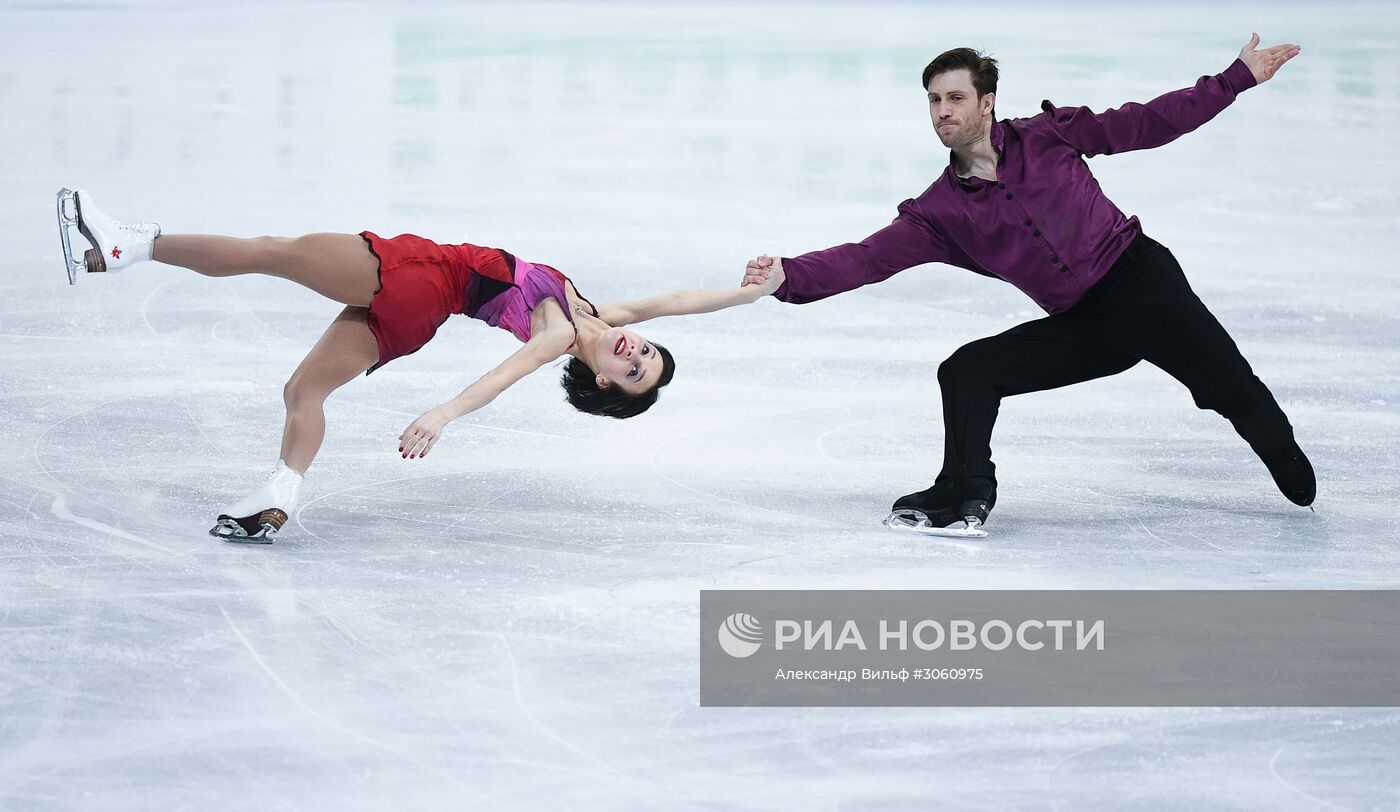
(423, 433)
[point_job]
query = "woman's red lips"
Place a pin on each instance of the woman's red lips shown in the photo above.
(620, 345)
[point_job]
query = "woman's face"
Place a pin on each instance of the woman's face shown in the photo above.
(627, 361)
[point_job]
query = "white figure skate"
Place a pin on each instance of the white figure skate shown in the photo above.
(257, 517)
(114, 245)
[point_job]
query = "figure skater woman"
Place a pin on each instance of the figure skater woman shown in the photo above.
(397, 293)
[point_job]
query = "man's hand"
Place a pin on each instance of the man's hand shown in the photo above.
(1264, 64)
(766, 272)
(422, 434)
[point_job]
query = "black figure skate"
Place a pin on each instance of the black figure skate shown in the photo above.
(956, 508)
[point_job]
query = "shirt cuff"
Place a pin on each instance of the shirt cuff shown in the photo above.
(781, 294)
(1239, 77)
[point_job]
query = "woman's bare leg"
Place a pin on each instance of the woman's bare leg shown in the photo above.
(346, 349)
(338, 266)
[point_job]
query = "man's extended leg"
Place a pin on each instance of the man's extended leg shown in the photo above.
(1161, 319)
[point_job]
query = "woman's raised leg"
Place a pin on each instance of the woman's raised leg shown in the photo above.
(345, 350)
(338, 266)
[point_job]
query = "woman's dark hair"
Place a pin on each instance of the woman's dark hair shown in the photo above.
(581, 386)
(982, 68)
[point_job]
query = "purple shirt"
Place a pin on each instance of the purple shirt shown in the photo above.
(1044, 225)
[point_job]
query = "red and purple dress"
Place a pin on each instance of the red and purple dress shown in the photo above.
(421, 283)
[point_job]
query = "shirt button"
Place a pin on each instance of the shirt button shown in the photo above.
(1028, 222)
(1001, 185)
(1035, 233)
(1008, 195)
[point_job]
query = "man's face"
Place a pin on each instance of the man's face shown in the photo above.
(958, 116)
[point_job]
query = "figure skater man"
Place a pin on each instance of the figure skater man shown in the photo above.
(1018, 203)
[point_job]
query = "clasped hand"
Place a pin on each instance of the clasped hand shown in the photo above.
(766, 272)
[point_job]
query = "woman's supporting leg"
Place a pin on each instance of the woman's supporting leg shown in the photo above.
(338, 266)
(345, 350)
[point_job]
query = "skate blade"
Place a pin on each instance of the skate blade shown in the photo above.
(259, 529)
(70, 216)
(67, 221)
(912, 521)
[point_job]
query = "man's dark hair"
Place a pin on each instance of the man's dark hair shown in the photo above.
(982, 68)
(581, 387)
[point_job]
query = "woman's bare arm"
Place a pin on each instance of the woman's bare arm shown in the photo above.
(687, 302)
(541, 349)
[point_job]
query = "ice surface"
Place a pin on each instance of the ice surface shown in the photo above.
(512, 624)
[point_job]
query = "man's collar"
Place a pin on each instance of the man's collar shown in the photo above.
(998, 138)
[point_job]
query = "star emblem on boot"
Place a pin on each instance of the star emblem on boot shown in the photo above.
(116, 252)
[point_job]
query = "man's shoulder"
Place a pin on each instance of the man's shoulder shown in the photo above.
(926, 204)
(940, 184)
(1028, 124)
(1042, 130)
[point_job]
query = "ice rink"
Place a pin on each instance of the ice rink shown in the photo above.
(513, 624)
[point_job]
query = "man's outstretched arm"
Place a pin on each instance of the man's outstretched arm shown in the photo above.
(1167, 117)
(904, 243)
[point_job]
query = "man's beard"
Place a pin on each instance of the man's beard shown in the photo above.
(958, 136)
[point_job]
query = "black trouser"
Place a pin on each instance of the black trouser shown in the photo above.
(1142, 309)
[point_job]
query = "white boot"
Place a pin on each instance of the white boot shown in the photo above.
(259, 515)
(114, 245)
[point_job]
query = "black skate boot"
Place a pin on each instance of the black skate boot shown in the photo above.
(979, 496)
(1294, 477)
(949, 508)
(1270, 435)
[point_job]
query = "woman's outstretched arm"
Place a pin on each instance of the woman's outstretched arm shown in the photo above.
(541, 349)
(686, 302)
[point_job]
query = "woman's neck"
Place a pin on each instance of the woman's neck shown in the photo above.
(589, 329)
